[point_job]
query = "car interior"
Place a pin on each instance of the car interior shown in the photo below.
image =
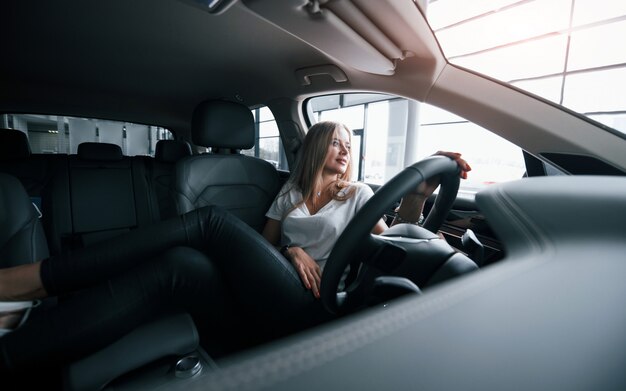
(514, 284)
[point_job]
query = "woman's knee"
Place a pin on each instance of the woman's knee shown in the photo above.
(185, 261)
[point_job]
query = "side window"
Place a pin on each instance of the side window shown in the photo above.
(268, 145)
(391, 133)
(62, 135)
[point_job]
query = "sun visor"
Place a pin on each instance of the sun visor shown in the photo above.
(337, 28)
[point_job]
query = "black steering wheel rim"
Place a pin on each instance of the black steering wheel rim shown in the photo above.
(359, 228)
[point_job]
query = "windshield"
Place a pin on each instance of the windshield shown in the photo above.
(568, 51)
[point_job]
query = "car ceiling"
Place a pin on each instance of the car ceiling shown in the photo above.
(162, 58)
(153, 61)
(150, 61)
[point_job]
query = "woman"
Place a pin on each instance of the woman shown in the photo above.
(318, 201)
(128, 280)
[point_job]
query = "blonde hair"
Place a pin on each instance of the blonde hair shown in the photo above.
(307, 172)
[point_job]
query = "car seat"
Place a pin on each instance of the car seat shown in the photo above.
(244, 185)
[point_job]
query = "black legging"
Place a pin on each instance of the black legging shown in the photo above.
(120, 290)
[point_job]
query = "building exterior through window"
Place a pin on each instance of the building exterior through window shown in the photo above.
(62, 135)
(568, 51)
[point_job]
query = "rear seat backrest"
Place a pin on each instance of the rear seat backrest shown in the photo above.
(21, 238)
(107, 194)
(162, 171)
(15, 159)
(13, 144)
(44, 177)
(95, 194)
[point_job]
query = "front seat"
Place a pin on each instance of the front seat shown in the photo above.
(244, 185)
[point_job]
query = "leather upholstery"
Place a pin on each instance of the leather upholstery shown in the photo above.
(45, 178)
(108, 193)
(99, 151)
(13, 144)
(22, 239)
(221, 124)
(161, 171)
(182, 338)
(244, 185)
(171, 151)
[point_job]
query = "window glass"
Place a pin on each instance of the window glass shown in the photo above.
(398, 132)
(60, 134)
(446, 16)
(269, 150)
(352, 117)
(268, 129)
(586, 52)
(493, 159)
(265, 114)
(375, 158)
(517, 62)
(268, 145)
(596, 92)
(591, 11)
(539, 17)
(569, 52)
(615, 121)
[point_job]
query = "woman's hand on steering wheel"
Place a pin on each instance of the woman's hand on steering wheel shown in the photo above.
(463, 165)
(427, 188)
(356, 243)
(412, 203)
(308, 270)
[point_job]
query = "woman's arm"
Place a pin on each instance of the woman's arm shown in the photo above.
(308, 270)
(271, 231)
(380, 227)
(21, 283)
(412, 204)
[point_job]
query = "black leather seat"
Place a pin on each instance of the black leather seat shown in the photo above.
(22, 240)
(17, 160)
(244, 185)
(108, 193)
(14, 144)
(162, 172)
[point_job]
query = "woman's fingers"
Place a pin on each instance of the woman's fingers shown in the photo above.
(303, 276)
(311, 278)
(317, 279)
(465, 167)
(452, 155)
(308, 270)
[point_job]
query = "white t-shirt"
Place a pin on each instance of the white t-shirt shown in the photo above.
(317, 233)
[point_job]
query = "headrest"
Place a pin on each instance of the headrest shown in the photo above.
(99, 151)
(222, 124)
(13, 144)
(171, 151)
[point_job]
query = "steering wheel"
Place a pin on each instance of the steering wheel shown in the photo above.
(358, 244)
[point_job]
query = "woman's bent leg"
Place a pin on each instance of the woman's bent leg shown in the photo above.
(263, 281)
(88, 266)
(95, 317)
